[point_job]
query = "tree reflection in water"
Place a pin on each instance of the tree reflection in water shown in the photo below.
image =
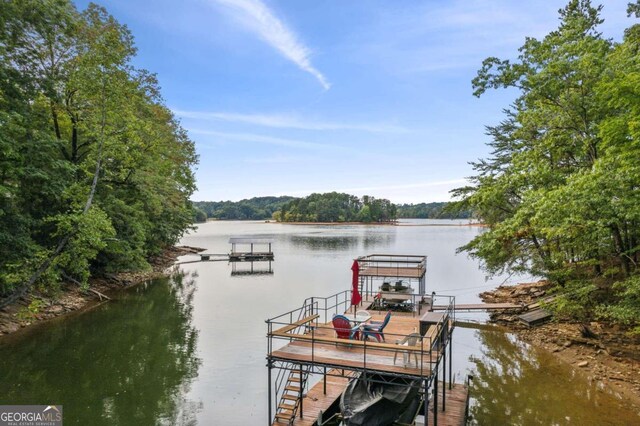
(328, 242)
(515, 384)
(128, 362)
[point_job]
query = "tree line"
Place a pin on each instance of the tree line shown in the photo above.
(95, 172)
(441, 210)
(561, 190)
(261, 208)
(257, 208)
(337, 207)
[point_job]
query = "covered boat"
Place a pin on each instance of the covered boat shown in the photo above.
(375, 401)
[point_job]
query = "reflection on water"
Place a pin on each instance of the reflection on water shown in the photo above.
(514, 384)
(258, 267)
(322, 242)
(128, 362)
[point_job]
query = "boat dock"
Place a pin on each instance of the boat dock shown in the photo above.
(309, 367)
(243, 249)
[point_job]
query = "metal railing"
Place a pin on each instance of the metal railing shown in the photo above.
(317, 333)
(375, 262)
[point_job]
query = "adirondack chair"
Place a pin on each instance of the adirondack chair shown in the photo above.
(375, 328)
(344, 329)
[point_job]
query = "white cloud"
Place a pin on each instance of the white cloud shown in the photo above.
(257, 17)
(288, 121)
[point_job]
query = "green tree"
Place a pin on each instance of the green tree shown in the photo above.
(560, 192)
(95, 173)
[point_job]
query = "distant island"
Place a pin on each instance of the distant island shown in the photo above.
(326, 207)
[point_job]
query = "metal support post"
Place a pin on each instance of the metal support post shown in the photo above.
(444, 378)
(301, 381)
(435, 400)
(426, 403)
(450, 361)
(269, 392)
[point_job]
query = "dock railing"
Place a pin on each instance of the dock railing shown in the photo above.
(377, 262)
(310, 324)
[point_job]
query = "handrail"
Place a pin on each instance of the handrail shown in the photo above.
(308, 327)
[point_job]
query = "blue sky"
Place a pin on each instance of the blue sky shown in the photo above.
(290, 97)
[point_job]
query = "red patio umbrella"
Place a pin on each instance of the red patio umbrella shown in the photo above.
(355, 293)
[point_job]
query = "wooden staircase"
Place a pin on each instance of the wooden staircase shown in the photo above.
(291, 398)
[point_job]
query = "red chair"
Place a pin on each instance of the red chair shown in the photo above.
(344, 329)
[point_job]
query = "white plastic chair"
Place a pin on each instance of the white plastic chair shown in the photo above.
(409, 340)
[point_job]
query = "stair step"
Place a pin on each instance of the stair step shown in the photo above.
(292, 388)
(290, 397)
(284, 416)
(287, 406)
(294, 379)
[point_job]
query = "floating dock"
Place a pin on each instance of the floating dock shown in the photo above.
(481, 307)
(243, 249)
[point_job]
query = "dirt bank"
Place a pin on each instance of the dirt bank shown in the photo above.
(72, 298)
(603, 352)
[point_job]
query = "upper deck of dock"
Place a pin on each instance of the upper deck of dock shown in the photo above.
(307, 336)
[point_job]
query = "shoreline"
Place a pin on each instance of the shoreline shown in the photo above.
(608, 358)
(380, 223)
(15, 318)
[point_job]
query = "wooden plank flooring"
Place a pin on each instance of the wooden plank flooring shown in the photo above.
(456, 400)
(352, 356)
(339, 356)
(479, 307)
(316, 400)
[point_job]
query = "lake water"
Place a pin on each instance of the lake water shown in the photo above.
(190, 349)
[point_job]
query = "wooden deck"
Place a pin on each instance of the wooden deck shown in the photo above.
(316, 400)
(456, 402)
(391, 272)
(328, 351)
(480, 307)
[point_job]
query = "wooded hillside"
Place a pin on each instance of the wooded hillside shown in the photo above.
(256, 208)
(95, 172)
(431, 211)
(337, 207)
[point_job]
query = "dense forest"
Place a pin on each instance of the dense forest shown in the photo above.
(256, 208)
(561, 191)
(337, 207)
(431, 211)
(260, 208)
(95, 172)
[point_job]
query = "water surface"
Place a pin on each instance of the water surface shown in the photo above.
(190, 349)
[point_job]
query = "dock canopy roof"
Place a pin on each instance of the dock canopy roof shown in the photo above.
(250, 240)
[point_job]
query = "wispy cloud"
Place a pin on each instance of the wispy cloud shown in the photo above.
(288, 121)
(416, 185)
(269, 140)
(257, 17)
